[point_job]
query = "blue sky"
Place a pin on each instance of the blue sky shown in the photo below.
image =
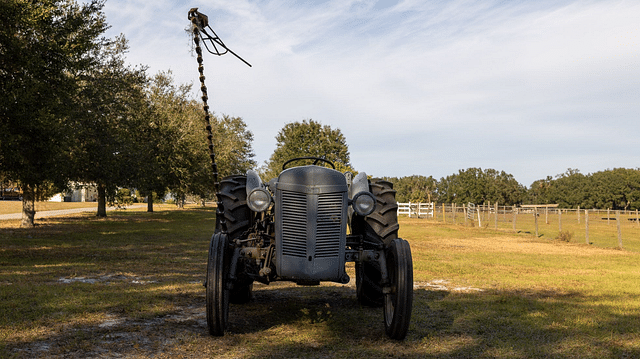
(531, 88)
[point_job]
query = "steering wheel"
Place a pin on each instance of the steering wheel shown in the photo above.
(317, 159)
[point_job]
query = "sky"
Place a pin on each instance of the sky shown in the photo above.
(417, 87)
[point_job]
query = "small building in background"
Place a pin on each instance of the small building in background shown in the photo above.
(79, 193)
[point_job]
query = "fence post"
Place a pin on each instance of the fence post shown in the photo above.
(546, 215)
(578, 214)
(619, 233)
(496, 214)
(535, 216)
(637, 219)
(453, 212)
(479, 219)
(486, 212)
(464, 208)
(586, 224)
(515, 217)
(560, 220)
(608, 217)
(444, 214)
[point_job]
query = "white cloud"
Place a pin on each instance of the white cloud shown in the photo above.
(530, 88)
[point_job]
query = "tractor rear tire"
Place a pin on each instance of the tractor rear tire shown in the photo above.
(381, 226)
(239, 218)
(368, 289)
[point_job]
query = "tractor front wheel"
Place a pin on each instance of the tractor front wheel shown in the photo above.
(399, 299)
(217, 292)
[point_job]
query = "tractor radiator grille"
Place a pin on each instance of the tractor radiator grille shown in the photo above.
(294, 224)
(296, 218)
(329, 225)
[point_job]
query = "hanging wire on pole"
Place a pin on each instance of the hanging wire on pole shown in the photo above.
(217, 46)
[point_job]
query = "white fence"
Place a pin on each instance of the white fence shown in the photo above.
(419, 210)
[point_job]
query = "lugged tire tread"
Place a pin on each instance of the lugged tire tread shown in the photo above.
(383, 211)
(377, 218)
(389, 230)
(236, 211)
(383, 222)
(238, 216)
(381, 226)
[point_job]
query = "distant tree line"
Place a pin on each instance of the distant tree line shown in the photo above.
(471, 185)
(617, 189)
(72, 111)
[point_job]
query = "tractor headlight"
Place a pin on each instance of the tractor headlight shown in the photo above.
(363, 203)
(259, 200)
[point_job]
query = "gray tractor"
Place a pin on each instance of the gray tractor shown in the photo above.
(303, 226)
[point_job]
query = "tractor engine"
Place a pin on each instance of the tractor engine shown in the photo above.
(311, 225)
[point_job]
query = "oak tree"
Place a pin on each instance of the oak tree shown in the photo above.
(44, 46)
(304, 139)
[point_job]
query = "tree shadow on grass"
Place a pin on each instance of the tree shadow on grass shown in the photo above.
(528, 324)
(287, 321)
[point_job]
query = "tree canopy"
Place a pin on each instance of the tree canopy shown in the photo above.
(108, 113)
(308, 138)
(618, 188)
(414, 188)
(45, 47)
(178, 159)
(479, 186)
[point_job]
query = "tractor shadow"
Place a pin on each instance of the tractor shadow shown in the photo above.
(334, 307)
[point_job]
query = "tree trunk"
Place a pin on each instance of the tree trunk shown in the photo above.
(28, 207)
(102, 201)
(180, 201)
(150, 203)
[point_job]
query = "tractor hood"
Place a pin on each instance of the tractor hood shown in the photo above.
(312, 180)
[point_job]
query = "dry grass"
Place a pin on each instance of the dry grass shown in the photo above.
(130, 286)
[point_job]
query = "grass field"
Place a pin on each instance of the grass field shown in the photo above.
(131, 286)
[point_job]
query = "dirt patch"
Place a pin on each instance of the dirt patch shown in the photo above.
(106, 279)
(443, 285)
